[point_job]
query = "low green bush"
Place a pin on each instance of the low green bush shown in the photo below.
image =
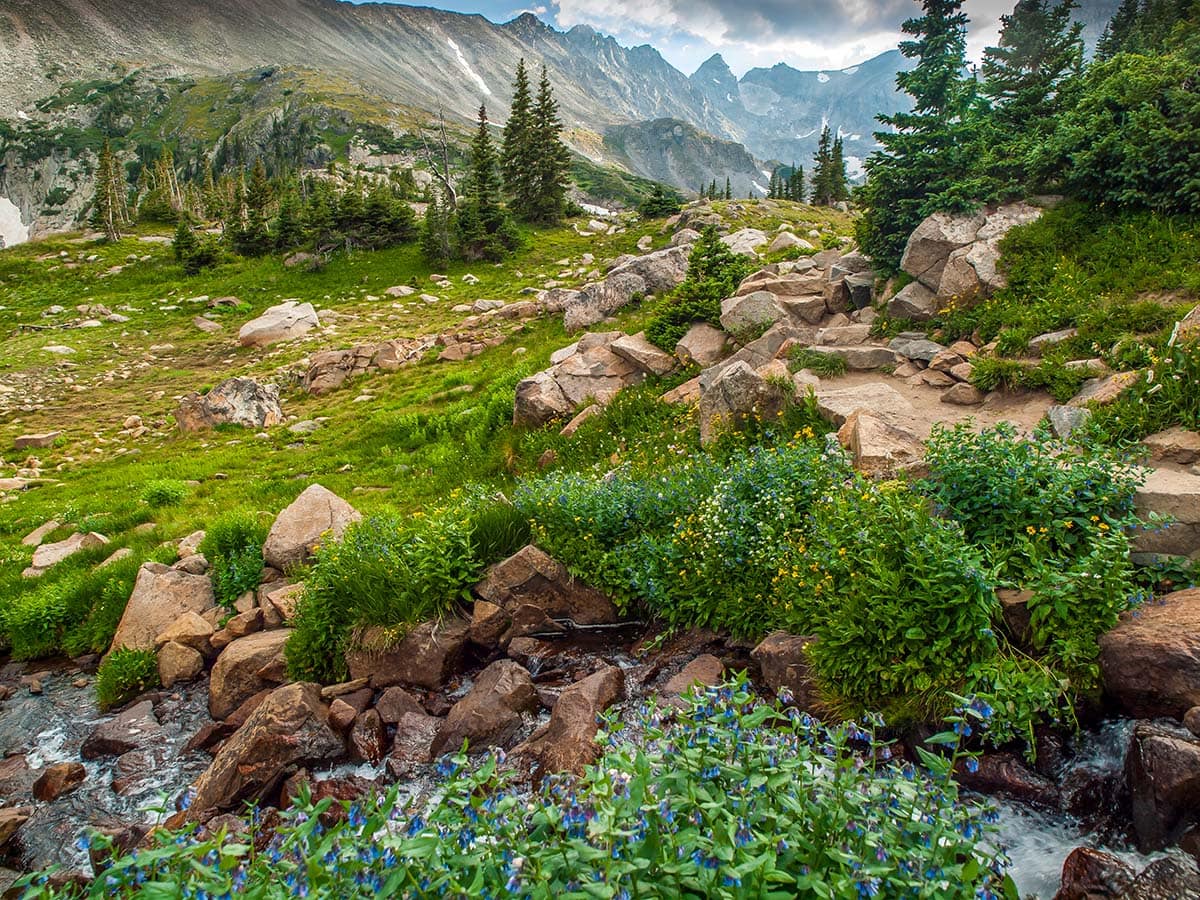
(827, 365)
(164, 492)
(233, 547)
(728, 798)
(1167, 395)
(125, 674)
(714, 272)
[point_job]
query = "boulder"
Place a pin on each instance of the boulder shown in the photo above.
(860, 289)
(879, 448)
(788, 241)
(58, 779)
(188, 629)
(394, 703)
(805, 310)
(36, 441)
(792, 284)
(702, 346)
(595, 373)
(1064, 420)
(963, 394)
(1006, 774)
(703, 671)
(490, 715)
(567, 743)
(413, 744)
(245, 667)
(836, 405)
(749, 312)
(315, 516)
(1170, 492)
(235, 401)
(661, 271)
(428, 656)
(290, 319)
(843, 335)
(914, 301)
(1043, 342)
(39, 534)
(162, 597)
(1103, 391)
(600, 299)
(539, 400)
(746, 241)
(177, 663)
(684, 237)
(132, 728)
(530, 577)
(1168, 878)
(1089, 874)
(1163, 774)
(11, 820)
(929, 246)
(737, 394)
(638, 351)
(1175, 445)
(916, 348)
(368, 739)
(48, 555)
(1150, 663)
(288, 729)
(786, 668)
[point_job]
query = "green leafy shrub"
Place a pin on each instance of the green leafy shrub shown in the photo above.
(714, 272)
(389, 571)
(233, 547)
(164, 492)
(728, 797)
(125, 674)
(992, 373)
(1168, 395)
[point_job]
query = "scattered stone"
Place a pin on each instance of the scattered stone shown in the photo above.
(531, 577)
(786, 668)
(235, 401)
(47, 556)
(413, 744)
(879, 448)
(787, 241)
(1175, 445)
(239, 672)
(290, 319)
(746, 241)
(1163, 773)
(177, 663)
(1065, 420)
(132, 728)
(315, 516)
(36, 441)
(916, 347)
(208, 326)
(394, 703)
(1039, 344)
(368, 740)
(703, 671)
(737, 394)
(756, 310)
(1150, 663)
(913, 301)
(428, 656)
(162, 597)
(963, 394)
(1103, 391)
(567, 743)
(39, 534)
(702, 346)
(836, 405)
(490, 715)
(1089, 874)
(58, 779)
(289, 728)
(641, 353)
(11, 820)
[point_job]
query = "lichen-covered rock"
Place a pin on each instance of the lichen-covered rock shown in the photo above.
(284, 322)
(235, 401)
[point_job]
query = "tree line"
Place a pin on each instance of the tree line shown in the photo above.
(1036, 117)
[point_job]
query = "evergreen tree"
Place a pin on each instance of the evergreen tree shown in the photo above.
(796, 184)
(661, 202)
(728, 189)
(773, 185)
(109, 210)
(1119, 29)
(553, 159)
(519, 154)
(482, 228)
(823, 178)
(435, 231)
(712, 190)
(254, 239)
(924, 162)
(185, 243)
(837, 172)
(289, 231)
(1027, 79)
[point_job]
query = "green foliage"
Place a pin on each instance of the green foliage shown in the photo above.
(992, 373)
(233, 547)
(124, 674)
(482, 228)
(1166, 395)
(662, 202)
(162, 492)
(727, 797)
(827, 365)
(714, 272)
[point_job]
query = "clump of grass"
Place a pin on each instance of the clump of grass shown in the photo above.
(827, 365)
(233, 547)
(125, 674)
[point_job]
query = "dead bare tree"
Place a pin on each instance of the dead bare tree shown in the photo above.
(441, 173)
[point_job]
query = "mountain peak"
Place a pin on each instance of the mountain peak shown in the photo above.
(713, 63)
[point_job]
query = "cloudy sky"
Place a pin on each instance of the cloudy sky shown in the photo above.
(806, 34)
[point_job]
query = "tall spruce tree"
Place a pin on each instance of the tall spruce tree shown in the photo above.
(837, 172)
(728, 189)
(254, 238)
(110, 212)
(1029, 78)
(482, 227)
(552, 159)
(1119, 29)
(823, 180)
(435, 230)
(924, 162)
(518, 155)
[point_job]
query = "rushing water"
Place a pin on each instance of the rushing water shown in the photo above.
(50, 728)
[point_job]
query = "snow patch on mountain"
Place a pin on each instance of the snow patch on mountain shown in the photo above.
(822, 77)
(12, 230)
(462, 61)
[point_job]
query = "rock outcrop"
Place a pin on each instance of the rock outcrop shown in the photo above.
(161, 597)
(1150, 663)
(235, 401)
